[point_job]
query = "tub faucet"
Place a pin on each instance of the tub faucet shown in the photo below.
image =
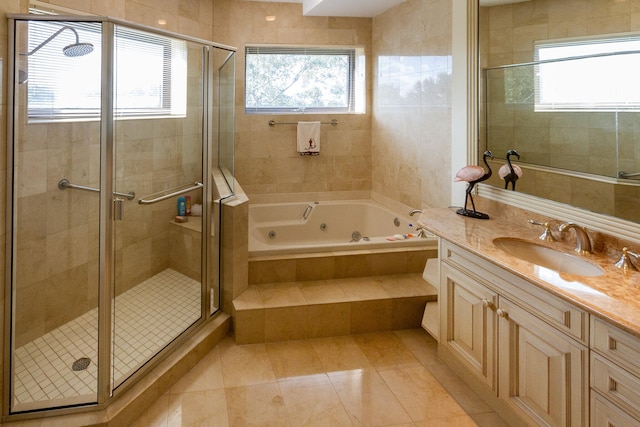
(307, 212)
(415, 211)
(583, 243)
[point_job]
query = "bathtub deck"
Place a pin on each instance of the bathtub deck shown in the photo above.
(281, 311)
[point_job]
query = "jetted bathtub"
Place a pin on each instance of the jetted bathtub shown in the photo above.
(328, 226)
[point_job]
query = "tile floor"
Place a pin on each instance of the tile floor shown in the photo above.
(147, 318)
(379, 379)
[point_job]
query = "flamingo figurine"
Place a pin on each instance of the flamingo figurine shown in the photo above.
(472, 175)
(509, 172)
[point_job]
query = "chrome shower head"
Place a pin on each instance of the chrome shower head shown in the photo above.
(77, 49)
(72, 50)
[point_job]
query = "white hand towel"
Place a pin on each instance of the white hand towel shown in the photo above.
(309, 138)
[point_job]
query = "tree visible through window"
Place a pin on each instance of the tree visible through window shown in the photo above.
(299, 79)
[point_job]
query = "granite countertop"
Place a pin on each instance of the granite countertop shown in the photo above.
(613, 296)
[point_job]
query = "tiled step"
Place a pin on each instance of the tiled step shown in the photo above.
(285, 311)
(338, 265)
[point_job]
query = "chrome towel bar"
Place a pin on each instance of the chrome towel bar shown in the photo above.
(195, 186)
(628, 175)
(64, 183)
(272, 123)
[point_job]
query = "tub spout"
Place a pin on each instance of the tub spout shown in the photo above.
(307, 212)
(414, 211)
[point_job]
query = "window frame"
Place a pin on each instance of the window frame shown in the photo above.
(355, 85)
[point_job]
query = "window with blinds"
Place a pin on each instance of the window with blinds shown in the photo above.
(304, 79)
(598, 74)
(150, 73)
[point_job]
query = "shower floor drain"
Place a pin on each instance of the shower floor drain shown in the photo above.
(81, 364)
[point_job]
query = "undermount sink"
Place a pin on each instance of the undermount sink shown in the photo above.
(550, 258)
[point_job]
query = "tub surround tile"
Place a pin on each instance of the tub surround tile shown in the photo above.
(329, 320)
(321, 308)
(338, 265)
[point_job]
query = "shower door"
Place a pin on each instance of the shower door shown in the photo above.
(54, 195)
(158, 155)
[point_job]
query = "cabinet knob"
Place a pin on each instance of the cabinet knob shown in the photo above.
(488, 304)
(502, 313)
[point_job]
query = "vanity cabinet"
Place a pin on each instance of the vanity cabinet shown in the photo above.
(615, 376)
(529, 348)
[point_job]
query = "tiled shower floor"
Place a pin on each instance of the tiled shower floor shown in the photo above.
(147, 318)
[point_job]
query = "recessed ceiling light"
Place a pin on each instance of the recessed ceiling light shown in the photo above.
(270, 17)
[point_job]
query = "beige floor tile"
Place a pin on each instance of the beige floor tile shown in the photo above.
(420, 394)
(244, 364)
(198, 408)
(257, 405)
(385, 350)
(488, 419)
(459, 421)
(340, 354)
(368, 399)
(372, 379)
(312, 401)
(423, 346)
(206, 375)
(458, 389)
(293, 359)
(156, 415)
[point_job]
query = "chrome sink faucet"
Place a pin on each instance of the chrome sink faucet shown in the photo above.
(583, 243)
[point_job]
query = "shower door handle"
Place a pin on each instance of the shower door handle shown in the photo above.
(118, 209)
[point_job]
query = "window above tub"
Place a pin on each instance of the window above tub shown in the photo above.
(304, 79)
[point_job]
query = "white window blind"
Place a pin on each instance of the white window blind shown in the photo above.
(150, 73)
(568, 81)
(304, 79)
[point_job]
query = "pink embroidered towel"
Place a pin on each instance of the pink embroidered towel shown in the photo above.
(309, 138)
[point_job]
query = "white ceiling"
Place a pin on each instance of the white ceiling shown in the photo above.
(352, 8)
(360, 8)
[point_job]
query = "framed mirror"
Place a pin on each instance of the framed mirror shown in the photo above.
(558, 84)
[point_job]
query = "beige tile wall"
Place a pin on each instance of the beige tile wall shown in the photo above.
(411, 129)
(578, 141)
(266, 157)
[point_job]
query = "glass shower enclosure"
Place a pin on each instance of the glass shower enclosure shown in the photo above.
(112, 258)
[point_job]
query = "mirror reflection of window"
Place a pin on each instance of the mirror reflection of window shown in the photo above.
(575, 64)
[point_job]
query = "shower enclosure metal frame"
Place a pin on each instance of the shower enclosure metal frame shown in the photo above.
(106, 390)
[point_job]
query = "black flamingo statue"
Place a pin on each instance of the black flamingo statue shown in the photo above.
(509, 172)
(473, 175)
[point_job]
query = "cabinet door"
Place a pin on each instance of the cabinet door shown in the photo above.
(543, 373)
(469, 322)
